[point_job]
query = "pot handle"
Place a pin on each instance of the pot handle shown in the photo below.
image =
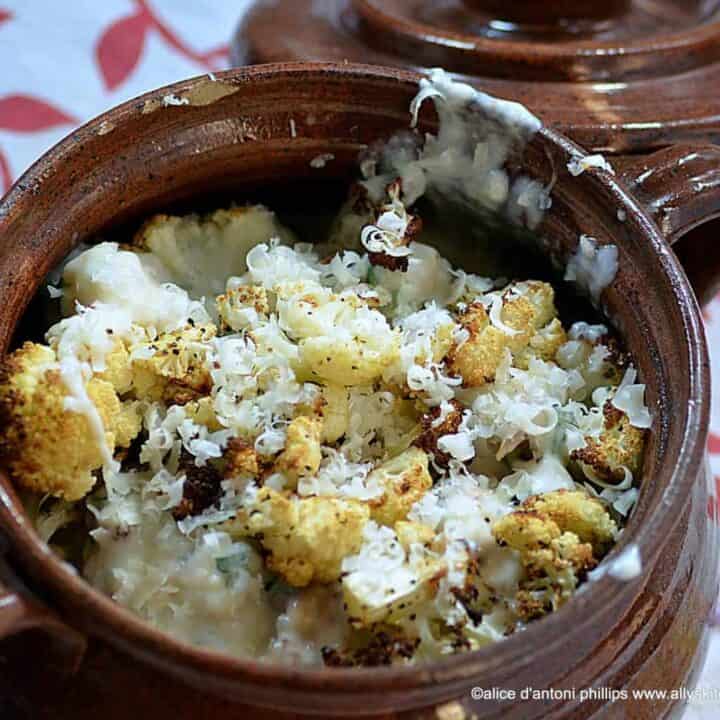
(680, 188)
(20, 612)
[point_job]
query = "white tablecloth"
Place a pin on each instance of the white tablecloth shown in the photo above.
(65, 62)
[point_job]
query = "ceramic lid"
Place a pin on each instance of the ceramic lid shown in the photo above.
(616, 76)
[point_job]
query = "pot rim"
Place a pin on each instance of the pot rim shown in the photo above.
(132, 633)
(643, 46)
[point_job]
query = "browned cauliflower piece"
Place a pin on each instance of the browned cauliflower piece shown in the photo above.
(601, 362)
(48, 448)
(390, 590)
(305, 539)
(544, 344)
(559, 537)
(527, 308)
(433, 429)
(301, 456)
(127, 423)
(200, 252)
(173, 368)
(405, 479)
(553, 575)
(541, 296)
(619, 445)
(341, 340)
(241, 459)
(202, 487)
(577, 512)
(477, 359)
(241, 307)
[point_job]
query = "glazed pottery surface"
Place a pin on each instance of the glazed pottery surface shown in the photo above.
(252, 133)
(615, 76)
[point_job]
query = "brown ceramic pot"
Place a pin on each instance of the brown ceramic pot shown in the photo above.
(617, 76)
(234, 136)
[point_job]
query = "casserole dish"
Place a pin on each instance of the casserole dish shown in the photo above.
(232, 138)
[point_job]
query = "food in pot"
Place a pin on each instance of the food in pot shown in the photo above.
(307, 455)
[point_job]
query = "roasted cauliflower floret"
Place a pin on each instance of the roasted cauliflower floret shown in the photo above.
(241, 307)
(559, 536)
(200, 252)
(477, 358)
(544, 517)
(600, 362)
(579, 513)
(541, 296)
(305, 539)
(620, 445)
(335, 412)
(301, 456)
(404, 479)
(48, 447)
(552, 575)
(527, 308)
(340, 339)
(173, 368)
(356, 363)
(544, 344)
(385, 584)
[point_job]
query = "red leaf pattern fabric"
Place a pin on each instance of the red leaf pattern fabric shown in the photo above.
(714, 443)
(4, 15)
(119, 49)
(22, 113)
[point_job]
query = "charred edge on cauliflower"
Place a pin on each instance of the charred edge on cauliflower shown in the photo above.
(620, 445)
(428, 440)
(176, 372)
(201, 489)
(393, 262)
(382, 649)
(559, 537)
(241, 459)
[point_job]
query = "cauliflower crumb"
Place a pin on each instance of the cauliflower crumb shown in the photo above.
(320, 161)
(578, 165)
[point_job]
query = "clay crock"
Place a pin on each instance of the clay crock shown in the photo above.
(234, 136)
(616, 76)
